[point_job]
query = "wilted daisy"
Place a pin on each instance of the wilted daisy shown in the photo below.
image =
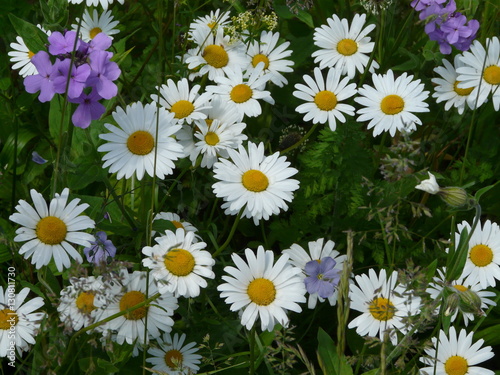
(131, 326)
(272, 55)
(383, 304)
(81, 300)
(179, 264)
(184, 103)
(133, 147)
(323, 97)
(389, 106)
(173, 357)
(344, 48)
(262, 289)
(483, 259)
(261, 184)
(317, 250)
(50, 230)
(456, 355)
(447, 89)
(21, 57)
(470, 298)
(95, 24)
(19, 324)
(482, 72)
(243, 93)
(103, 3)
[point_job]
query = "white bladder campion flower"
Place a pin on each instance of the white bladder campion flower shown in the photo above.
(430, 185)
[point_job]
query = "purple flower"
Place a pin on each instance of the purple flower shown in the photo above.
(35, 156)
(100, 42)
(103, 73)
(79, 75)
(88, 110)
(463, 44)
(322, 277)
(43, 80)
(455, 29)
(101, 249)
(62, 44)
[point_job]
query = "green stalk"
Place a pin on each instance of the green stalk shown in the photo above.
(231, 234)
(252, 351)
(302, 140)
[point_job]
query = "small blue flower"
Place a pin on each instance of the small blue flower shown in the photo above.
(101, 250)
(35, 156)
(322, 277)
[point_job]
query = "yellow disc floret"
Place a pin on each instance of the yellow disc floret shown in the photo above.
(382, 309)
(392, 104)
(325, 100)
(347, 47)
(261, 291)
(241, 93)
(51, 230)
(140, 142)
(215, 56)
(255, 180)
(182, 108)
(179, 262)
(481, 255)
(131, 299)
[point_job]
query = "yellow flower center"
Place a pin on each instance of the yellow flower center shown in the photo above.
(347, 47)
(140, 142)
(241, 93)
(456, 365)
(254, 180)
(85, 302)
(179, 262)
(130, 299)
(212, 24)
(208, 121)
(261, 291)
(325, 100)
(182, 108)
(481, 255)
(177, 224)
(382, 309)
(94, 32)
(211, 138)
(392, 104)
(461, 92)
(173, 359)
(260, 58)
(460, 288)
(30, 54)
(51, 230)
(215, 56)
(492, 75)
(8, 318)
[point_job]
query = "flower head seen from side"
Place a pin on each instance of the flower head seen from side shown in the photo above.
(267, 50)
(101, 250)
(95, 3)
(130, 148)
(481, 71)
(318, 250)
(262, 289)
(483, 260)
(19, 323)
(456, 354)
(383, 304)
(173, 357)
(323, 98)
(21, 57)
(430, 185)
(261, 184)
(389, 106)
(179, 265)
(344, 48)
(94, 24)
(447, 89)
(184, 103)
(131, 326)
(51, 230)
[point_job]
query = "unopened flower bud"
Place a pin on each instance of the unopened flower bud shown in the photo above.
(451, 304)
(470, 302)
(454, 196)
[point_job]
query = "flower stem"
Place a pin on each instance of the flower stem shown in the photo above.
(252, 351)
(231, 234)
(302, 140)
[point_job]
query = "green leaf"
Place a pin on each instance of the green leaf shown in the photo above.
(56, 120)
(491, 335)
(328, 359)
(371, 372)
(481, 191)
(456, 260)
(105, 365)
(84, 175)
(34, 38)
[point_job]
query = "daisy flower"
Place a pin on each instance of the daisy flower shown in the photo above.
(383, 305)
(185, 104)
(173, 357)
(209, 23)
(132, 147)
(323, 97)
(456, 355)
(263, 289)
(447, 89)
(176, 220)
(21, 57)
(266, 50)
(179, 264)
(19, 324)
(131, 326)
(95, 24)
(483, 259)
(215, 54)
(243, 93)
(390, 104)
(458, 287)
(89, 3)
(482, 72)
(50, 230)
(261, 184)
(342, 47)
(318, 250)
(219, 110)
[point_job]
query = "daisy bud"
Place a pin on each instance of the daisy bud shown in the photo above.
(454, 196)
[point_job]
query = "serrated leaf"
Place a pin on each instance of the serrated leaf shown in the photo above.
(34, 38)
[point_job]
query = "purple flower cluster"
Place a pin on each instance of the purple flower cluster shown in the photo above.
(445, 25)
(91, 74)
